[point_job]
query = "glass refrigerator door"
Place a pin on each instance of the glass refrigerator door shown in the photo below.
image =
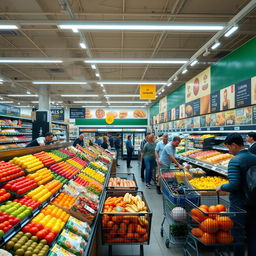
(138, 138)
(125, 134)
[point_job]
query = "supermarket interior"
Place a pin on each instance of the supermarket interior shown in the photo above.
(127, 127)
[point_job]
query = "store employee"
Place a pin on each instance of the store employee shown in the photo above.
(42, 141)
(79, 141)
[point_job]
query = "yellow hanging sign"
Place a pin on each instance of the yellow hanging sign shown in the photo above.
(147, 91)
(110, 119)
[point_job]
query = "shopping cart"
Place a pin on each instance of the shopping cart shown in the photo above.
(174, 208)
(220, 227)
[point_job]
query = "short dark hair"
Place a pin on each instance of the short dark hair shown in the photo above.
(252, 135)
(129, 136)
(234, 138)
(176, 138)
(118, 134)
(48, 134)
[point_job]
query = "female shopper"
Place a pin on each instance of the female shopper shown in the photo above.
(105, 144)
(148, 154)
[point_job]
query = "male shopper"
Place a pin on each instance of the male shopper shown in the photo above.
(251, 138)
(97, 140)
(237, 168)
(42, 141)
(111, 140)
(168, 154)
(79, 141)
(117, 144)
(158, 152)
(142, 169)
(129, 149)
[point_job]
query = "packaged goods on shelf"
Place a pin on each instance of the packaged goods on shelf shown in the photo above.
(64, 201)
(205, 154)
(219, 158)
(59, 251)
(190, 152)
(121, 183)
(40, 194)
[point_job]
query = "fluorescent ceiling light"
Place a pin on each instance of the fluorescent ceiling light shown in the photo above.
(58, 82)
(82, 45)
(137, 61)
(97, 74)
(93, 106)
(122, 95)
(139, 26)
(231, 31)
(85, 101)
(102, 85)
(93, 66)
(193, 63)
(137, 102)
(28, 92)
(35, 101)
(175, 78)
(131, 82)
(104, 90)
(75, 30)
(24, 106)
(169, 84)
(163, 90)
(128, 106)
(22, 95)
(6, 101)
(206, 53)
(79, 95)
(184, 71)
(28, 60)
(8, 27)
(216, 45)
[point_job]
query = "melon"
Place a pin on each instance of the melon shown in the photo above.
(179, 214)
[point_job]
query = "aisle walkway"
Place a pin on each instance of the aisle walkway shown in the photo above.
(157, 243)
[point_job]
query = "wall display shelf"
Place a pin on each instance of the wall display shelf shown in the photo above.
(60, 131)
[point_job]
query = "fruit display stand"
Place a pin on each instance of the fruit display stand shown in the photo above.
(36, 198)
(125, 218)
(213, 222)
(122, 181)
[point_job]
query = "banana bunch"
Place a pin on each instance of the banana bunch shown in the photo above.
(143, 220)
(134, 203)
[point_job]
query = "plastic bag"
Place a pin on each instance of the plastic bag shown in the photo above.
(59, 251)
(78, 227)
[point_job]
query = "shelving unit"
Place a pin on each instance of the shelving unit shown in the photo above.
(63, 135)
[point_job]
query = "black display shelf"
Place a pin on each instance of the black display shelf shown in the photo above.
(16, 134)
(16, 117)
(13, 141)
(16, 127)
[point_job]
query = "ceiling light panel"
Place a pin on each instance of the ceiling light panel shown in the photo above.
(132, 102)
(28, 60)
(79, 95)
(22, 95)
(59, 82)
(86, 101)
(122, 95)
(131, 82)
(136, 61)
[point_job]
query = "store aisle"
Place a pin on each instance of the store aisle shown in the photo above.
(157, 243)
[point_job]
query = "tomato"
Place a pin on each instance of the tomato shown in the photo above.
(33, 230)
(2, 226)
(39, 226)
(50, 237)
(2, 192)
(26, 229)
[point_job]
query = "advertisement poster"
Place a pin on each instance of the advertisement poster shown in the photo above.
(199, 86)
(102, 113)
(253, 90)
(147, 91)
(169, 115)
(202, 121)
(165, 116)
(163, 104)
(75, 113)
(193, 108)
(208, 120)
(57, 114)
(227, 98)
(189, 121)
(215, 102)
(161, 117)
(220, 119)
(9, 110)
(177, 112)
(230, 117)
(173, 113)
(212, 120)
(243, 93)
(197, 122)
(254, 114)
(182, 111)
(205, 104)
(244, 116)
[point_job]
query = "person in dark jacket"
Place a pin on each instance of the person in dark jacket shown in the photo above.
(237, 168)
(98, 140)
(105, 144)
(42, 141)
(251, 138)
(129, 149)
(142, 169)
(79, 141)
(111, 140)
(117, 144)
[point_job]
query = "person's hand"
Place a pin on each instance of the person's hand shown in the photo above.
(159, 162)
(218, 189)
(180, 166)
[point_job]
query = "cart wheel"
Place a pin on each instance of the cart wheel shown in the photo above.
(162, 232)
(167, 243)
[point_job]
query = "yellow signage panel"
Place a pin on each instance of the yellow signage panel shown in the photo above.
(147, 91)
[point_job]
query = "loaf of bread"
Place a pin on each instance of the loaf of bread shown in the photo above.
(138, 113)
(123, 114)
(112, 113)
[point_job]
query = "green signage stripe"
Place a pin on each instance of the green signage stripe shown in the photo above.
(116, 122)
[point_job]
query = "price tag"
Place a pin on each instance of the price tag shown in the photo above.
(199, 129)
(221, 128)
(89, 209)
(237, 128)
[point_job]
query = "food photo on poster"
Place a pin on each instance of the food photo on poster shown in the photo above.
(244, 116)
(220, 119)
(205, 104)
(253, 90)
(230, 117)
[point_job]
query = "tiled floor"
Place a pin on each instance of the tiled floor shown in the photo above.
(157, 243)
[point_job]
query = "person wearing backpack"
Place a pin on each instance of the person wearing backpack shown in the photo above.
(240, 166)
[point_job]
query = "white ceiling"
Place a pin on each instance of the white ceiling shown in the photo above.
(48, 41)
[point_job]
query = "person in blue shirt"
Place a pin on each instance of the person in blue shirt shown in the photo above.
(111, 140)
(158, 152)
(237, 169)
(42, 141)
(98, 140)
(129, 149)
(168, 154)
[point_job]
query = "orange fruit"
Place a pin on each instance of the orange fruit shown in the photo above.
(225, 223)
(224, 238)
(209, 225)
(208, 238)
(204, 207)
(221, 208)
(197, 232)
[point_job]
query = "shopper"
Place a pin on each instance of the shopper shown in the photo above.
(158, 152)
(168, 154)
(42, 141)
(117, 144)
(237, 169)
(79, 141)
(142, 169)
(129, 149)
(97, 140)
(105, 144)
(111, 140)
(148, 154)
(251, 138)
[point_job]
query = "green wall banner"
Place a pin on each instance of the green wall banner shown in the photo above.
(96, 122)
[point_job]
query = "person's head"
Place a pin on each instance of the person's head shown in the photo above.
(234, 142)
(109, 134)
(129, 137)
(165, 138)
(251, 137)
(96, 136)
(225, 94)
(147, 134)
(81, 136)
(118, 135)
(176, 141)
(105, 139)
(151, 138)
(49, 136)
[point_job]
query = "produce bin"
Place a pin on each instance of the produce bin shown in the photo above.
(126, 177)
